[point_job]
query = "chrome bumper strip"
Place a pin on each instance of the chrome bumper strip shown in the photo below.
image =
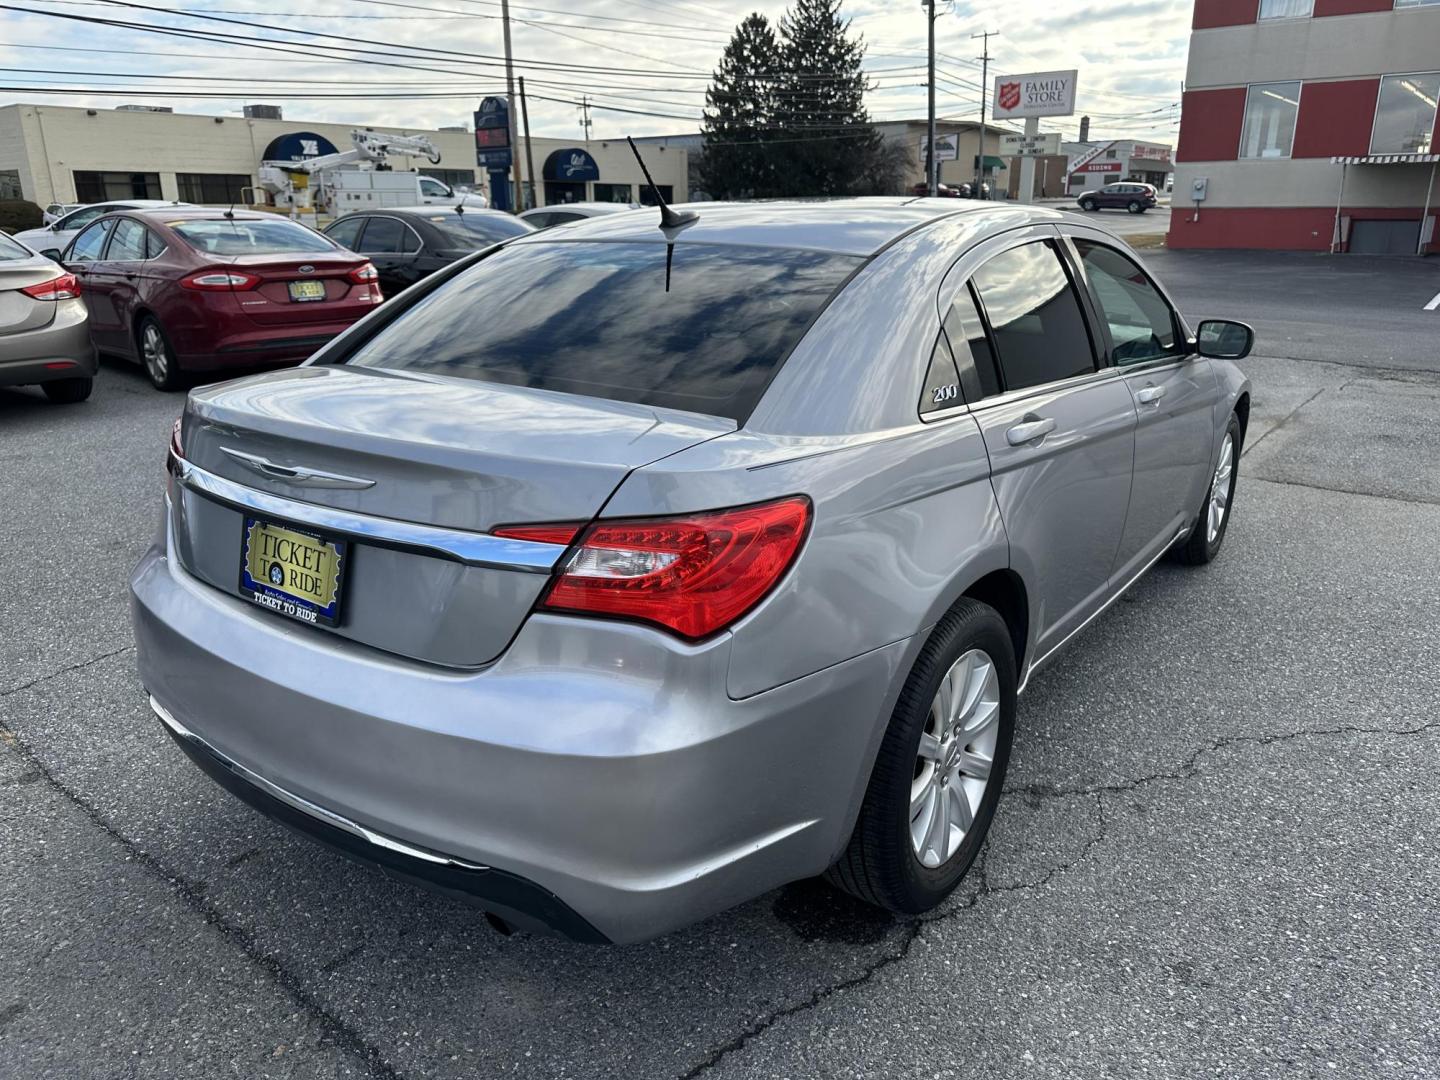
(305, 806)
(470, 548)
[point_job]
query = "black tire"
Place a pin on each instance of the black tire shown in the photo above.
(164, 371)
(1088, 205)
(68, 391)
(1136, 207)
(1197, 548)
(879, 865)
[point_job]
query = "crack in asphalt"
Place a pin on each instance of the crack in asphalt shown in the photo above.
(1388, 496)
(1186, 771)
(1281, 423)
(65, 670)
(339, 1032)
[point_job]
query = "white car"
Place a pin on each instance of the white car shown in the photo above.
(59, 233)
(543, 217)
(56, 210)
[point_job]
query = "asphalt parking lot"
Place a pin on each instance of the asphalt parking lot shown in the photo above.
(1218, 854)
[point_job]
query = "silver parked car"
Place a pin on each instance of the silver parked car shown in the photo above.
(611, 579)
(547, 217)
(44, 328)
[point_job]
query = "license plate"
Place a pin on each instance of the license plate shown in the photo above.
(291, 571)
(307, 290)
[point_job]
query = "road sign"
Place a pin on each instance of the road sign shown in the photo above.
(1042, 93)
(947, 148)
(492, 133)
(1030, 145)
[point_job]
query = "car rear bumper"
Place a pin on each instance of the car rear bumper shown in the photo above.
(283, 345)
(597, 772)
(59, 350)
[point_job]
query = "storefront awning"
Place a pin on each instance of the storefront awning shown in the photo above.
(572, 165)
(1387, 159)
(992, 162)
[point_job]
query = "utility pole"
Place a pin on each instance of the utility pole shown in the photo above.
(932, 165)
(585, 117)
(529, 156)
(984, 101)
(510, 105)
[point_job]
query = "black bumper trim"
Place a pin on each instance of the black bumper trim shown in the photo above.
(518, 901)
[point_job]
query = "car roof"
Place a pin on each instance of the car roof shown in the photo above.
(165, 213)
(424, 211)
(860, 226)
(589, 209)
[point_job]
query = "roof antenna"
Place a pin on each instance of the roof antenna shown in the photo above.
(669, 219)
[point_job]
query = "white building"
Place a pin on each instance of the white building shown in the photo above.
(54, 153)
(1107, 161)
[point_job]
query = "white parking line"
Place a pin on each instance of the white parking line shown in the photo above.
(1434, 303)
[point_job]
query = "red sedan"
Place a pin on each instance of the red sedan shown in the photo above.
(190, 290)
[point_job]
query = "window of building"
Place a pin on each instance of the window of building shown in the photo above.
(222, 189)
(1414, 3)
(1270, 110)
(1040, 334)
(1405, 114)
(1285, 9)
(1112, 154)
(647, 197)
(616, 193)
(10, 184)
(94, 187)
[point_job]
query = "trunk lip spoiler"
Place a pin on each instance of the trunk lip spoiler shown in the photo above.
(456, 545)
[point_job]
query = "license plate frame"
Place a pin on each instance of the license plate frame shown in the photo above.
(306, 292)
(281, 560)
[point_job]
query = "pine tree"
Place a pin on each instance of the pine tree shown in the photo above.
(825, 144)
(739, 114)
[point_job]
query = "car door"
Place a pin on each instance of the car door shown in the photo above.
(1059, 427)
(118, 279)
(85, 259)
(1174, 389)
(393, 247)
(433, 192)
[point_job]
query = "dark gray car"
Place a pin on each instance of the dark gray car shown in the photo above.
(622, 573)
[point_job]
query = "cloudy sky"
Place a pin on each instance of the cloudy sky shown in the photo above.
(643, 64)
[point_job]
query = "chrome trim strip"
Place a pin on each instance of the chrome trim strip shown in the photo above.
(297, 474)
(305, 805)
(470, 548)
(1030, 668)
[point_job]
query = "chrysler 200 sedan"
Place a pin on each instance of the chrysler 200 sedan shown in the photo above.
(618, 574)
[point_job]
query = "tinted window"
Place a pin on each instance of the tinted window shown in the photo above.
(1139, 319)
(471, 230)
(246, 236)
(1033, 310)
(942, 382)
(128, 243)
(86, 247)
(973, 356)
(12, 249)
(598, 319)
(346, 231)
(153, 244)
(383, 236)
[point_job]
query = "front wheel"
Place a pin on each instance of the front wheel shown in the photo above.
(1203, 543)
(938, 775)
(157, 355)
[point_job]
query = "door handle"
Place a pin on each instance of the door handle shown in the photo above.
(1031, 429)
(1149, 395)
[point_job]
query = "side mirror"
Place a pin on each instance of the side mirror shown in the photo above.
(1224, 339)
(53, 254)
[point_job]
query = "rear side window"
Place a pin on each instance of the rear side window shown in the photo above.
(245, 236)
(383, 236)
(1040, 333)
(973, 355)
(128, 243)
(613, 320)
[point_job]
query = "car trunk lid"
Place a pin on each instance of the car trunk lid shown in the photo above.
(18, 312)
(280, 298)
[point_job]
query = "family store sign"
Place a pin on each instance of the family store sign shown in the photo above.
(1044, 93)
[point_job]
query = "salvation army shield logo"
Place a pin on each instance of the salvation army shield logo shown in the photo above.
(1009, 96)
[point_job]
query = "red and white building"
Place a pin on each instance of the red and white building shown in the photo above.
(1095, 164)
(1310, 125)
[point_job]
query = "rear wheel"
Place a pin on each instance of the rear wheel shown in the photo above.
(68, 391)
(1203, 543)
(157, 355)
(1136, 207)
(1087, 205)
(940, 768)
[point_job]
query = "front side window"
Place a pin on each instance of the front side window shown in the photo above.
(81, 218)
(1034, 313)
(128, 243)
(1270, 111)
(248, 236)
(703, 330)
(1285, 9)
(1405, 114)
(433, 187)
(1140, 321)
(90, 243)
(346, 231)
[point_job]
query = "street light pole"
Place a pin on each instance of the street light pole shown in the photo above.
(933, 165)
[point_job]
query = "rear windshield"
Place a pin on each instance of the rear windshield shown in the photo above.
(218, 236)
(474, 230)
(596, 318)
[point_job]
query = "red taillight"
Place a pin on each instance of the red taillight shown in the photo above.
(541, 534)
(692, 575)
(220, 281)
(363, 273)
(62, 287)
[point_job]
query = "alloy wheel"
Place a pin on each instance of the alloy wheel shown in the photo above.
(957, 751)
(154, 353)
(1220, 490)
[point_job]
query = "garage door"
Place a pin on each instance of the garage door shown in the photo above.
(1384, 237)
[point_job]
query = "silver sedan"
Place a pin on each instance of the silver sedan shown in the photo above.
(44, 331)
(613, 578)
